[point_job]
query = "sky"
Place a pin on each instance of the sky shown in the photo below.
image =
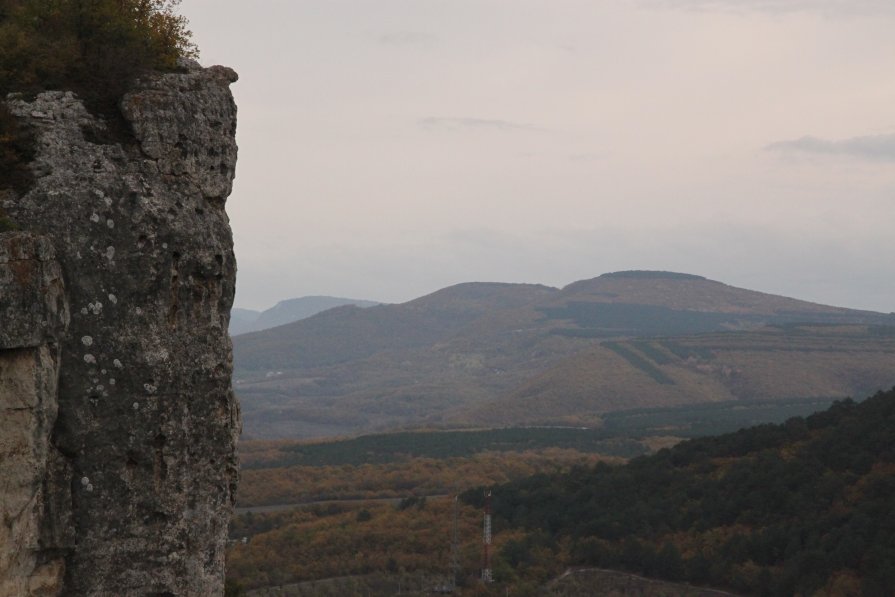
(390, 148)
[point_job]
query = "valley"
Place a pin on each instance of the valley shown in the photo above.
(362, 426)
(776, 509)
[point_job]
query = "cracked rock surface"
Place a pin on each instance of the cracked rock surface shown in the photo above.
(147, 422)
(33, 317)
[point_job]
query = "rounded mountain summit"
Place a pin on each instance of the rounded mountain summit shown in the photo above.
(506, 354)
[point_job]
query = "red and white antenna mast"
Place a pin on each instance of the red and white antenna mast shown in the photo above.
(486, 542)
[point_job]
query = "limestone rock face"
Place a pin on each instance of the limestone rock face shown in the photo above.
(147, 422)
(33, 316)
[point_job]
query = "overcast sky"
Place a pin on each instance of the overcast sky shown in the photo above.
(389, 148)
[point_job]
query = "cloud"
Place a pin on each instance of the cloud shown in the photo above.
(458, 124)
(828, 7)
(872, 147)
(407, 38)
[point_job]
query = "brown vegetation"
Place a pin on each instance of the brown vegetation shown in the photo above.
(392, 541)
(411, 477)
(93, 47)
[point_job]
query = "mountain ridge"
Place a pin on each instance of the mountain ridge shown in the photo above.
(498, 353)
(243, 321)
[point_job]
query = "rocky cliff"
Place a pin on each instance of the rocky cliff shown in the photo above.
(33, 318)
(119, 422)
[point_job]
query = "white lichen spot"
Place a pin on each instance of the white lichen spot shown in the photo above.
(89, 487)
(108, 201)
(94, 217)
(111, 381)
(87, 341)
(113, 299)
(164, 245)
(103, 371)
(89, 358)
(83, 310)
(100, 388)
(138, 311)
(117, 364)
(136, 406)
(99, 193)
(95, 308)
(150, 389)
(110, 253)
(110, 224)
(85, 481)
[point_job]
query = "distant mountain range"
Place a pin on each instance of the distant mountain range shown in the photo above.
(507, 354)
(243, 321)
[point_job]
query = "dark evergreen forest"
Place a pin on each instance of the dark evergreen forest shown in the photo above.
(789, 509)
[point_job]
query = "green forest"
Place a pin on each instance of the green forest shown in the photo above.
(624, 433)
(799, 508)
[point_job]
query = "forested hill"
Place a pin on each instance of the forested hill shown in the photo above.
(802, 508)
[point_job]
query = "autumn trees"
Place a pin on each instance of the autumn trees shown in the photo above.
(92, 47)
(798, 508)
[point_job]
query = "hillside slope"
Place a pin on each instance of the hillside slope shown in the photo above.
(801, 508)
(348, 333)
(243, 321)
(511, 353)
(777, 362)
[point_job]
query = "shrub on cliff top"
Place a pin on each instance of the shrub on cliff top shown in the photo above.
(92, 47)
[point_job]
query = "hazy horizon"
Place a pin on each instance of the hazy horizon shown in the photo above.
(391, 149)
(557, 286)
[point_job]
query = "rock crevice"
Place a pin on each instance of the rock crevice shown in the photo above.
(33, 319)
